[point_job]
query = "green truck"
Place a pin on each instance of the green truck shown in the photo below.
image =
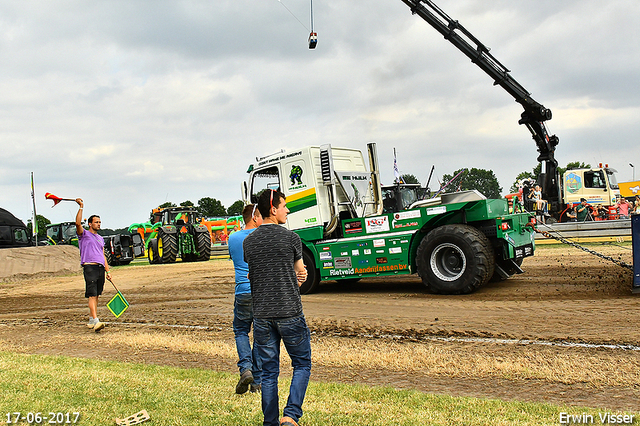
(456, 242)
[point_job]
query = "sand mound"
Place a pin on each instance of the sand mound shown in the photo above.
(27, 261)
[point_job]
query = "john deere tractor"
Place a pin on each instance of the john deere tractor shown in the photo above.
(179, 236)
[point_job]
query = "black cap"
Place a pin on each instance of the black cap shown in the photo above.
(583, 200)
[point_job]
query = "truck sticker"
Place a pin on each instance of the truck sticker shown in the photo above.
(404, 225)
(383, 268)
(377, 224)
(379, 243)
(353, 227)
(311, 220)
(295, 175)
(327, 265)
(395, 250)
(411, 214)
(344, 253)
(379, 251)
(325, 255)
(335, 272)
(342, 262)
(573, 183)
(363, 262)
(367, 251)
(355, 252)
(301, 200)
(436, 210)
(381, 260)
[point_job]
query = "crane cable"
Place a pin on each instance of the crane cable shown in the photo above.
(292, 14)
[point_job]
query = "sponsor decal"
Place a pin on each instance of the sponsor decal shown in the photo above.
(379, 243)
(411, 214)
(363, 262)
(367, 251)
(381, 260)
(327, 265)
(355, 252)
(377, 224)
(325, 255)
(362, 244)
(379, 251)
(311, 220)
(381, 268)
(436, 210)
(326, 248)
(340, 272)
(342, 262)
(353, 227)
(404, 225)
(395, 250)
(344, 253)
(404, 241)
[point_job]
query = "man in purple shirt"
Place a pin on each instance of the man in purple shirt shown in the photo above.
(94, 263)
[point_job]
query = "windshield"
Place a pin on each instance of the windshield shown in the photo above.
(408, 196)
(613, 182)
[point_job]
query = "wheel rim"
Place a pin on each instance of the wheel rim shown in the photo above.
(448, 262)
(160, 248)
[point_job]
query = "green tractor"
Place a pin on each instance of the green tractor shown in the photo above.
(62, 233)
(179, 236)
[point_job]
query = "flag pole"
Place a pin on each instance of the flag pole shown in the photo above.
(34, 225)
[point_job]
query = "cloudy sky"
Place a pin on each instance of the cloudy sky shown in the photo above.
(129, 104)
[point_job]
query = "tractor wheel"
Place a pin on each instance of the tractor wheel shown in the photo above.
(167, 246)
(203, 245)
(508, 267)
(455, 259)
(109, 257)
(313, 275)
(152, 251)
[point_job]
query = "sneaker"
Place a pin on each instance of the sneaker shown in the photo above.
(288, 421)
(98, 326)
(246, 379)
(90, 325)
(255, 388)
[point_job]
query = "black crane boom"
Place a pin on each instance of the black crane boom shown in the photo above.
(534, 115)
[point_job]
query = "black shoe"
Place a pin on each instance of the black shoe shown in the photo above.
(255, 388)
(246, 379)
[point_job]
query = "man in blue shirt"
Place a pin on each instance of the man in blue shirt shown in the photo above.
(249, 363)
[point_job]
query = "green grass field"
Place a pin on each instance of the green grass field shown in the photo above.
(103, 391)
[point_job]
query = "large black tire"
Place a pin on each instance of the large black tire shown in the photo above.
(152, 251)
(167, 246)
(109, 256)
(313, 274)
(455, 259)
(203, 245)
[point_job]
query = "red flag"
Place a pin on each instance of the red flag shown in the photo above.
(56, 200)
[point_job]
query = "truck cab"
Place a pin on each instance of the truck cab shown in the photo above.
(597, 185)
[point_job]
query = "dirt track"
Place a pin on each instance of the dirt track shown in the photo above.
(565, 295)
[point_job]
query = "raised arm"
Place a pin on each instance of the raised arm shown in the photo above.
(79, 228)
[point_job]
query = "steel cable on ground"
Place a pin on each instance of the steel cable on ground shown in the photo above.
(578, 246)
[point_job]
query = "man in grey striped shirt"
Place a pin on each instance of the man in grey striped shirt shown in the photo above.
(276, 270)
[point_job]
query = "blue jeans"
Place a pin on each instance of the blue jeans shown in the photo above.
(242, 319)
(297, 340)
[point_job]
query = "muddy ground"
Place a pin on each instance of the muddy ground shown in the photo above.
(565, 295)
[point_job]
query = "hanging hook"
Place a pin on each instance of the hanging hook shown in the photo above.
(313, 36)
